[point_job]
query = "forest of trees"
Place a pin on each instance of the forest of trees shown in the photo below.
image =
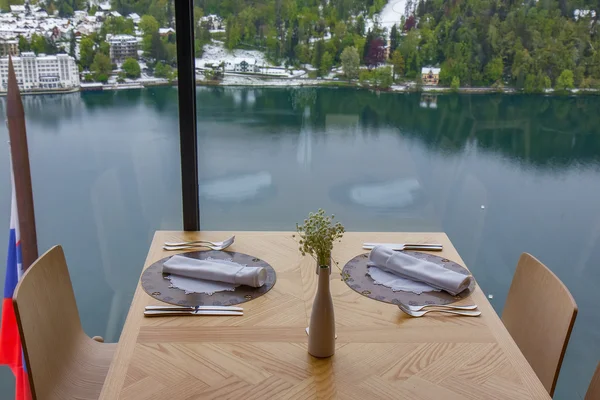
(528, 44)
(531, 45)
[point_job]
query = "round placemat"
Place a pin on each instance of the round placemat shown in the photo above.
(157, 286)
(355, 275)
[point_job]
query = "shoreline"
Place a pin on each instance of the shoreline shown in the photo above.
(264, 82)
(43, 92)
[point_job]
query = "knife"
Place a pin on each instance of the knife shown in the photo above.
(156, 313)
(193, 308)
(406, 246)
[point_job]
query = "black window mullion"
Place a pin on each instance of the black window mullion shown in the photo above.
(186, 83)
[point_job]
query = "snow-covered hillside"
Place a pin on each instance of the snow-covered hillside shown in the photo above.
(392, 12)
(215, 53)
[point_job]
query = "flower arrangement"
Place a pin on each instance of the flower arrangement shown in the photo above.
(317, 236)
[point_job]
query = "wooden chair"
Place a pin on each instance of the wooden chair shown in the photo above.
(62, 361)
(593, 392)
(539, 314)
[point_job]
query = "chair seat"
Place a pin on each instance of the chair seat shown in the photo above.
(89, 365)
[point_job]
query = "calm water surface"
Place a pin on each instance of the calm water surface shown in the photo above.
(499, 174)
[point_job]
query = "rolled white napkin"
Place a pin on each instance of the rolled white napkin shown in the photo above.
(410, 267)
(216, 270)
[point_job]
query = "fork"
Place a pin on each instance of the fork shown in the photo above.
(195, 246)
(406, 246)
(421, 313)
(446, 306)
(216, 244)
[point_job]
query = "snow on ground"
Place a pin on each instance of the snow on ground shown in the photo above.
(390, 15)
(231, 80)
(392, 12)
(215, 53)
(326, 37)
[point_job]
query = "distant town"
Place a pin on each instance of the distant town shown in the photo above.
(399, 45)
(57, 50)
(100, 49)
(89, 50)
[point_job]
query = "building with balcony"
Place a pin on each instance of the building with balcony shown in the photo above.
(41, 72)
(123, 47)
(430, 75)
(9, 47)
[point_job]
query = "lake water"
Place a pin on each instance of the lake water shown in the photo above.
(499, 174)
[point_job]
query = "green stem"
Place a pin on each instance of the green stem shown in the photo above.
(323, 259)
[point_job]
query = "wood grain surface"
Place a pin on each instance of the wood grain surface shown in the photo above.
(539, 314)
(381, 353)
(63, 362)
(593, 392)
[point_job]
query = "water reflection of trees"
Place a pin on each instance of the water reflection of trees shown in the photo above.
(534, 129)
(542, 130)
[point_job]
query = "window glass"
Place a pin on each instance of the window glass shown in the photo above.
(104, 153)
(473, 118)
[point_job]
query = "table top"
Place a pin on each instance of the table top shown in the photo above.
(381, 353)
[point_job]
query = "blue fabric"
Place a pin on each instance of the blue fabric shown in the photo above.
(12, 277)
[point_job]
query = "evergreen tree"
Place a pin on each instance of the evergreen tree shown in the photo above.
(24, 44)
(326, 63)
(394, 39)
(398, 63)
(360, 25)
(368, 41)
(72, 45)
(318, 54)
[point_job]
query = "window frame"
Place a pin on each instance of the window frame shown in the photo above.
(186, 84)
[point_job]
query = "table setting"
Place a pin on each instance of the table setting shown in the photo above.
(312, 323)
(212, 282)
(411, 279)
(210, 278)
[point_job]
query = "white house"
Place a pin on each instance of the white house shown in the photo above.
(245, 65)
(134, 17)
(115, 14)
(41, 72)
(17, 9)
(580, 14)
(105, 6)
(165, 31)
(430, 75)
(212, 21)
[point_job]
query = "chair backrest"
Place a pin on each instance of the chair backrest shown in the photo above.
(48, 321)
(539, 314)
(593, 392)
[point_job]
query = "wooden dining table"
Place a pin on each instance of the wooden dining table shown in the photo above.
(381, 353)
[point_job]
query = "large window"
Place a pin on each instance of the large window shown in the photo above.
(412, 116)
(105, 160)
(473, 118)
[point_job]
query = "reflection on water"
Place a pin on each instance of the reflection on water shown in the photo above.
(395, 194)
(238, 188)
(499, 174)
